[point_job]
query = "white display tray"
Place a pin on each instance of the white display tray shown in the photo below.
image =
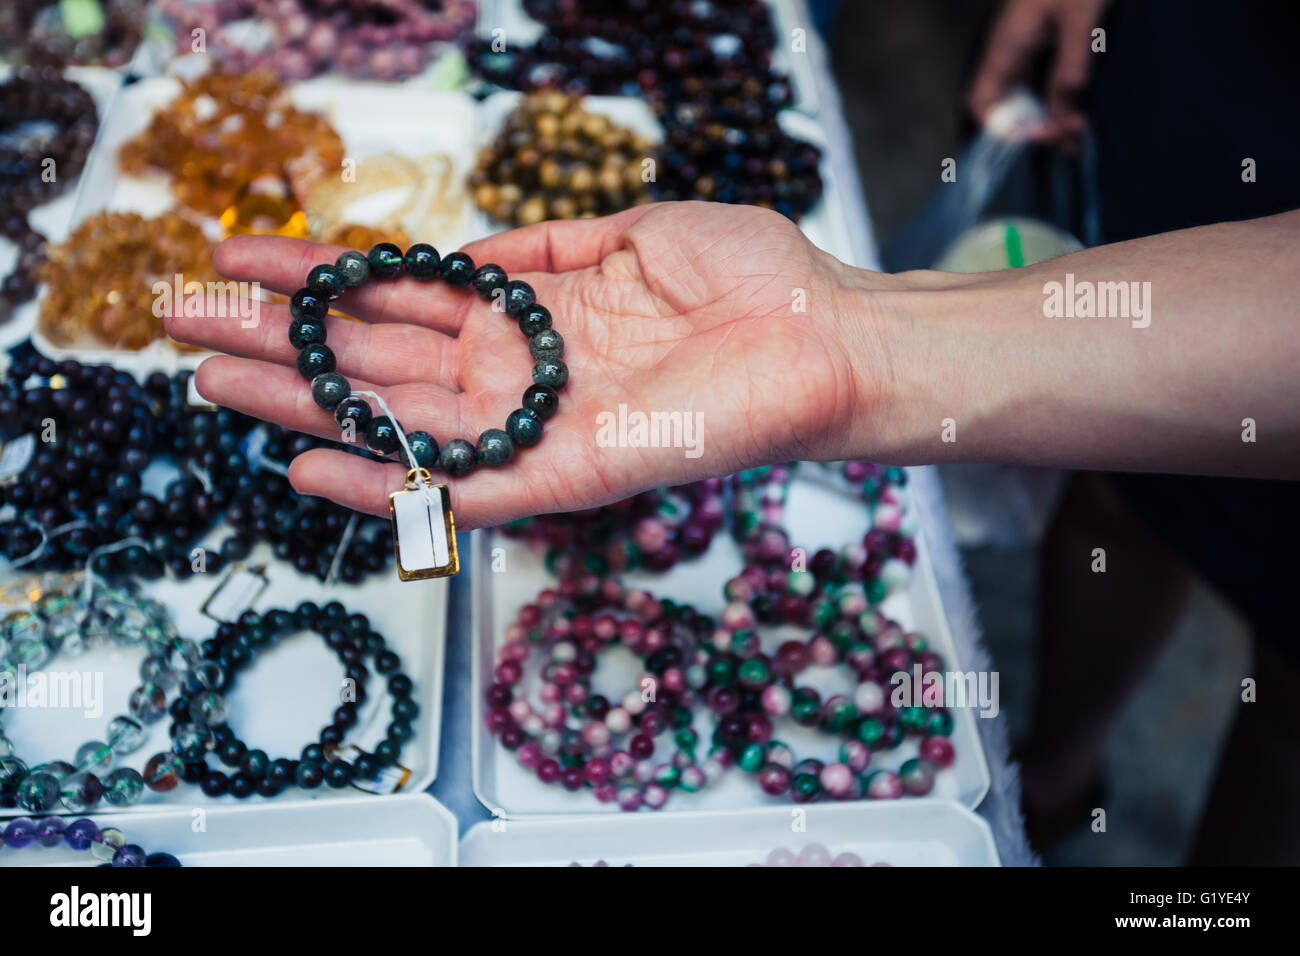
(412, 830)
(280, 701)
(822, 515)
(370, 118)
(917, 833)
(53, 219)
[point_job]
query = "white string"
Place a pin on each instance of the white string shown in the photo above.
(204, 478)
(348, 531)
(89, 574)
(424, 486)
(37, 551)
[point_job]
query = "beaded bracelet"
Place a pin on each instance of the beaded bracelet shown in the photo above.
(651, 531)
(61, 622)
(108, 844)
(435, 554)
(200, 710)
(574, 632)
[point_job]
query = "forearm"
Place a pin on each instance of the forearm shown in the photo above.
(986, 368)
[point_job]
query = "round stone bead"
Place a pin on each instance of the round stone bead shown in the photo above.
(385, 261)
(37, 792)
(51, 830)
(326, 280)
(355, 410)
(883, 785)
(307, 304)
(541, 400)
(328, 389)
(938, 751)
(457, 458)
(338, 774)
(129, 855)
(524, 427)
(315, 359)
(381, 436)
(80, 834)
(95, 756)
(354, 267)
(306, 331)
(208, 709)
(495, 448)
(18, 834)
(423, 448)
(552, 372)
(917, 777)
(534, 319)
(422, 261)
(85, 792)
(111, 839)
(123, 787)
(148, 703)
(457, 269)
(161, 861)
(546, 344)
(163, 772)
(519, 297)
(488, 278)
(310, 774)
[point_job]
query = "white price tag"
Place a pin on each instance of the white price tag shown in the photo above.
(235, 594)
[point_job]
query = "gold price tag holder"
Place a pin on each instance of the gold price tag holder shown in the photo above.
(424, 531)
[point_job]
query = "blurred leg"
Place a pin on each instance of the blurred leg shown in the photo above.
(1097, 634)
(1252, 816)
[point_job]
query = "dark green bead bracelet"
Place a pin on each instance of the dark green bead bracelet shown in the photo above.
(331, 391)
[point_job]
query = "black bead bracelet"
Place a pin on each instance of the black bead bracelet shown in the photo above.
(199, 711)
(331, 391)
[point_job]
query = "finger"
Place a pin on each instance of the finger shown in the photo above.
(278, 394)
(281, 265)
(1019, 33)
(485, 500)
(558, 245)
(383, 354)
(1070, 73)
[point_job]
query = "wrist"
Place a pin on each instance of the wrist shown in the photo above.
(923, 349)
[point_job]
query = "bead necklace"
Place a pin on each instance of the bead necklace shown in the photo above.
(707, 72)
(388, 41)
(554, 160)
(100, 280)
(45, 97)
(82, 490)
(34, 31)
(107, 844)
(64, 621)
(225, 131)
(200, 710)
(434, 554)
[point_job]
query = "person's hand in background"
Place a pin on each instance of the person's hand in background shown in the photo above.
(1026, 29)
(675, 308)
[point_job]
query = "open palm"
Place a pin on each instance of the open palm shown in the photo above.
(685, 308)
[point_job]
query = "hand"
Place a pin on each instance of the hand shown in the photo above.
(1023, 30)
(676, 308)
